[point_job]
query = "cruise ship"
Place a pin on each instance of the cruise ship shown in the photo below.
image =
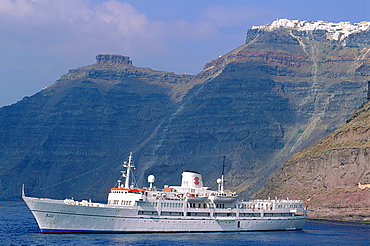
(190, 207)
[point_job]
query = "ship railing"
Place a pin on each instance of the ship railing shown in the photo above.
(276, 200)
(82, 203)
(165, 195)
(224, 193)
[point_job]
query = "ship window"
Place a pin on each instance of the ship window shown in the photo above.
(154, 204)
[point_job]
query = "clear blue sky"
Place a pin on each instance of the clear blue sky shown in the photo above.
(40, 40)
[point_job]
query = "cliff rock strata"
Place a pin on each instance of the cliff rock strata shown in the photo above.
(88, 118)
(327, 174)
(269, 98)
(257, 105)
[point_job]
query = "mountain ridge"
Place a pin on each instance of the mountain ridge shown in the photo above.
(260, 103)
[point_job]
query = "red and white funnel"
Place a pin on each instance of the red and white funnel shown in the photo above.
(191, 180)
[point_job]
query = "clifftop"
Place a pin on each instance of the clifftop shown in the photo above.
(336, 31)
(111, 67)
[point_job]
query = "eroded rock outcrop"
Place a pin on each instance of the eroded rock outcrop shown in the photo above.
(115, 59)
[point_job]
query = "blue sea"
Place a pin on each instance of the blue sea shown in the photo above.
(18, 227)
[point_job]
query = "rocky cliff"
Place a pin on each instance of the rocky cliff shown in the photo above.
(278, 93)
(273, 96)
(327, 174)
(85, 123)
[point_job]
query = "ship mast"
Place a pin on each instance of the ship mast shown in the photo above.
(222, 176)
(128, 166)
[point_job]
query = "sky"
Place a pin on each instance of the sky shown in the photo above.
(40, 40)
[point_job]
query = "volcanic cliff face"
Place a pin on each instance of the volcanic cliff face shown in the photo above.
(275, 95)
(327, 174)
(85, 123)
(278, 93)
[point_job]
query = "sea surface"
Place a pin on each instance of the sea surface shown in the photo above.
(18, 227)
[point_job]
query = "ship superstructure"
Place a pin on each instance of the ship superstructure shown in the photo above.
(190, 207)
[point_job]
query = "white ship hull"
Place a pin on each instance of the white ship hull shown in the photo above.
(190, 207)
(55, 216)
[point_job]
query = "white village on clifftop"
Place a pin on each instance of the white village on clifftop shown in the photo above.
(336, 31)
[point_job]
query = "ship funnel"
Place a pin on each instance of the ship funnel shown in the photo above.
(191, 180)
